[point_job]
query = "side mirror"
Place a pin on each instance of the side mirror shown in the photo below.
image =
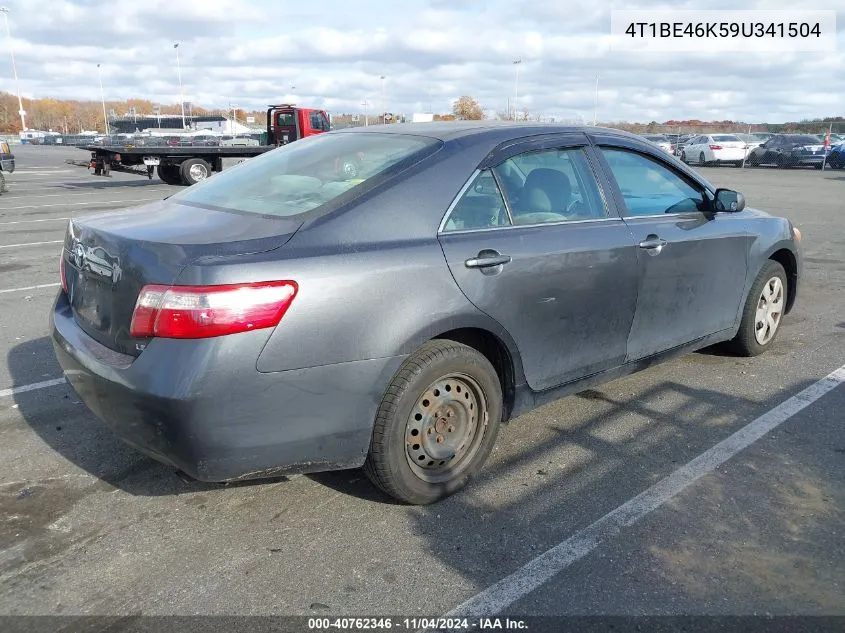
(729, 201)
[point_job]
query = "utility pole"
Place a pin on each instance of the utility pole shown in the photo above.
(181, 96)
(21, 111)
(516, 62)
(103, 99)
(383, 102)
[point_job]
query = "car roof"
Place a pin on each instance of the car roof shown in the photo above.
(448, 130)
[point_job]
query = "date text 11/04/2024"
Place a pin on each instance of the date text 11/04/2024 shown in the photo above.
(415, 624)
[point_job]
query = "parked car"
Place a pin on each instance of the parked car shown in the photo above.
(836, 157)
(282, 317)
(714, 148)
(7, 159)
(660, 140)
(750, 141)
(789, 150)
(763, 136)
(7, 164)
(238, 141)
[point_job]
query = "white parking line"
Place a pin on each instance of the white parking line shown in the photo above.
(74, 204)
(36, 385)
(546, 566)
(31, 244)
(30, 288)
(147, 189)
(31, 221)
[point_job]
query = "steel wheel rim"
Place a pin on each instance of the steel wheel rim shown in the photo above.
(445, 428)
(198, 172)
(769, 311)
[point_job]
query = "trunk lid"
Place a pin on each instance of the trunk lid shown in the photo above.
(108, 258)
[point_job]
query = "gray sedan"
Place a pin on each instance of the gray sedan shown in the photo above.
(282, 317)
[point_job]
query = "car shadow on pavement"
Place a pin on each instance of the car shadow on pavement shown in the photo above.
(66, 425)
(550, 477)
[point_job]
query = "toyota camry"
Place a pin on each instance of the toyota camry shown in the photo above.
(287, 317)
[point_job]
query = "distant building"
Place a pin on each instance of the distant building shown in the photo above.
(422, 117)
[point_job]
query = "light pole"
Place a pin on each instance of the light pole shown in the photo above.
(383, 102)
(234, 118)
(596, 103)
(366, 105)
(516, 63)
(21, 111)
(181, 97)
(103, 98)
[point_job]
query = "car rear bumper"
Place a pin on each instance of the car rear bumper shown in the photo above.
(728, 155)
(808, 159)
(224, 422)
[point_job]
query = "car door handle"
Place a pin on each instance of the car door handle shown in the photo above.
(653, 244)
(487, 261)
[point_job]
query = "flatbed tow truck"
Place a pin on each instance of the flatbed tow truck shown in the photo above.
(188, 165)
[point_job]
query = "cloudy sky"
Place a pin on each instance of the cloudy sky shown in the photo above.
(332, 53)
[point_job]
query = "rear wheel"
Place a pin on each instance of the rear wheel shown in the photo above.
(763, 311)
(782, 162)
(194, 170)
(684, 157)
(436, 424)
(701, 159)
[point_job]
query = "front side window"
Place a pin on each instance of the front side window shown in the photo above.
(301, 176)
(650, 188)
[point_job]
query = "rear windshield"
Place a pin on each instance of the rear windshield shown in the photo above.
(285, 119)
(803, 139)
(305, 174)
(725, 138)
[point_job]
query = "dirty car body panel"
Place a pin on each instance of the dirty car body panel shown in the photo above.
(378, 273)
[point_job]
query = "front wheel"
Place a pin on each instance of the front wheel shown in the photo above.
(763, 312)
(436, 424)
(684, 158)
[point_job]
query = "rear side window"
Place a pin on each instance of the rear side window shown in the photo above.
(650, 188)
(724, 138)
(301, 176)
(533, 188)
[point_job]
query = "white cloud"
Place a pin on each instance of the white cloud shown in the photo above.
(253, 52)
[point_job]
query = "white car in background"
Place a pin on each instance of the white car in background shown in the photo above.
(661, 141)
(751, 141)
(715, 148)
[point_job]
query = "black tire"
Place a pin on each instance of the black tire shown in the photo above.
(169, 174)
(684, 158)
(194, 170)
(819, 166)
(406, 412)
(746, 342)
(782, 162)
(834, 162)
(701, 159)
(752, 160)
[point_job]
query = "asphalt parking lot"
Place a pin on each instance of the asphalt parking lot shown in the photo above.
(89, 526)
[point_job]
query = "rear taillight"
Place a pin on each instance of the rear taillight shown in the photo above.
(715, 147)
(206, 311)
(62, 272)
